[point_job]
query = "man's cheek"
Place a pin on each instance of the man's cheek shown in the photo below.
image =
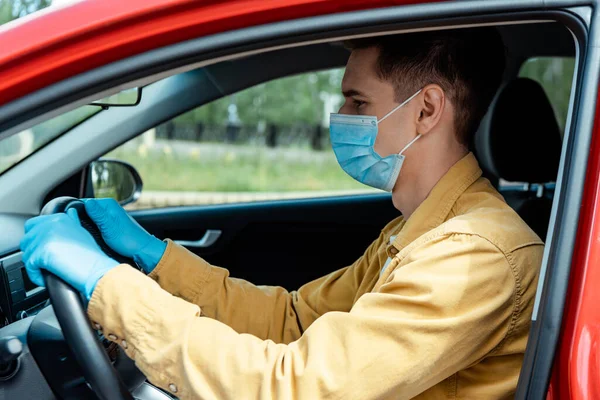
(382, 143)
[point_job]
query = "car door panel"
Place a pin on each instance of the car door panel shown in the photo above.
(285, 243)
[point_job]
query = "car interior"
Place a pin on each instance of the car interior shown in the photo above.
(519, 141)
(509, 128)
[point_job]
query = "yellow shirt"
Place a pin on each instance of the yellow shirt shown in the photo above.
(447, 318)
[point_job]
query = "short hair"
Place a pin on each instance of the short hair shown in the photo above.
(467, 63)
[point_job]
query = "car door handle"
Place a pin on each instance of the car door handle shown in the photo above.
(209, 238)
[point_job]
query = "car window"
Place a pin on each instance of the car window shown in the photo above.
(267, 142)
(555, 74)
(14, 9)
(17, 147)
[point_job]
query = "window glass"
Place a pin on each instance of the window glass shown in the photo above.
(14, 9)
(267, 142)
(555, 74)
(17, 147)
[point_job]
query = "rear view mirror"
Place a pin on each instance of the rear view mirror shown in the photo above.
(114, 179)
(126, 98)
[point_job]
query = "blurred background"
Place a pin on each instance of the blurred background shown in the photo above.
(267, 142)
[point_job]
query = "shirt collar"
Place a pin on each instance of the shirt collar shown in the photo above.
(434, 210)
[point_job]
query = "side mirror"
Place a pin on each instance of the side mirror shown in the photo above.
(114, 179)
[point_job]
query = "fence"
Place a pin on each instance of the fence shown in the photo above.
(271, 135)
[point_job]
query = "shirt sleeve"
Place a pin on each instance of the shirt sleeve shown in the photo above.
(446, 306)
(268, 312)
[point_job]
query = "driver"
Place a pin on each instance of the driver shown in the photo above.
(438, 306)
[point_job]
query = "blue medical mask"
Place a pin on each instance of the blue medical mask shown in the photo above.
(353, 138)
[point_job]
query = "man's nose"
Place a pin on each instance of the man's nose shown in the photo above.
(344, 109)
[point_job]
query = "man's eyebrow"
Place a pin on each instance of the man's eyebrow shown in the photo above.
(352, 92)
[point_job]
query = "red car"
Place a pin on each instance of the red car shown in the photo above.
(174, 56)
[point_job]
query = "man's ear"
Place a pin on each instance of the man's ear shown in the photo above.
(433, 101)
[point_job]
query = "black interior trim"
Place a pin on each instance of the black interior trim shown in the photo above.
(72, 186)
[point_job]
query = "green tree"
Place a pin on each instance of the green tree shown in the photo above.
(13, 9)
(295, 99)
(5, 11)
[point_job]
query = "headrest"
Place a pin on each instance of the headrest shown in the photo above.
(519, 139)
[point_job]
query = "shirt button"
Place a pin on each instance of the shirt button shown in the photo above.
(97, 326)
(173, 388)
(124, 344)
(393, 250)
(112, 337)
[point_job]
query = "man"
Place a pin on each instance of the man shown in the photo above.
(438, 307)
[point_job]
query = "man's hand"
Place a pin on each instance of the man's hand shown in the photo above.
(123, 234)
(58, 244)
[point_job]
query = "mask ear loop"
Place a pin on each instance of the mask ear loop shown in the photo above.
(396, 108)
(410, 144)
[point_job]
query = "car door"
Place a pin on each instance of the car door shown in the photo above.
(283, 243)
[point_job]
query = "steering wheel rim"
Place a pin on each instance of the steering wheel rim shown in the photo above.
(98, 371)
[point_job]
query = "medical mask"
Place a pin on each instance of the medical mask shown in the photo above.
(353, 138)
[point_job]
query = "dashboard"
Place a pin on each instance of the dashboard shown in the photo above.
(19, 297)
(20, 302)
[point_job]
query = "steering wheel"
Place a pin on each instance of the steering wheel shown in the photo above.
(70, 311)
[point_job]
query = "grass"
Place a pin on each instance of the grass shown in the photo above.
(231, 168)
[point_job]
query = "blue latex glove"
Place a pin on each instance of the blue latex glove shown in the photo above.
(123, 234)
(58, 244)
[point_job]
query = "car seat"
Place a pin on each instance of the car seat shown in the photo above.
(519, 141)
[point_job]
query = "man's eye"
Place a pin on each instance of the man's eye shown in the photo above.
(358, 103)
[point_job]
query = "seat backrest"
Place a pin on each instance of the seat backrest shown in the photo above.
(519, 141)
